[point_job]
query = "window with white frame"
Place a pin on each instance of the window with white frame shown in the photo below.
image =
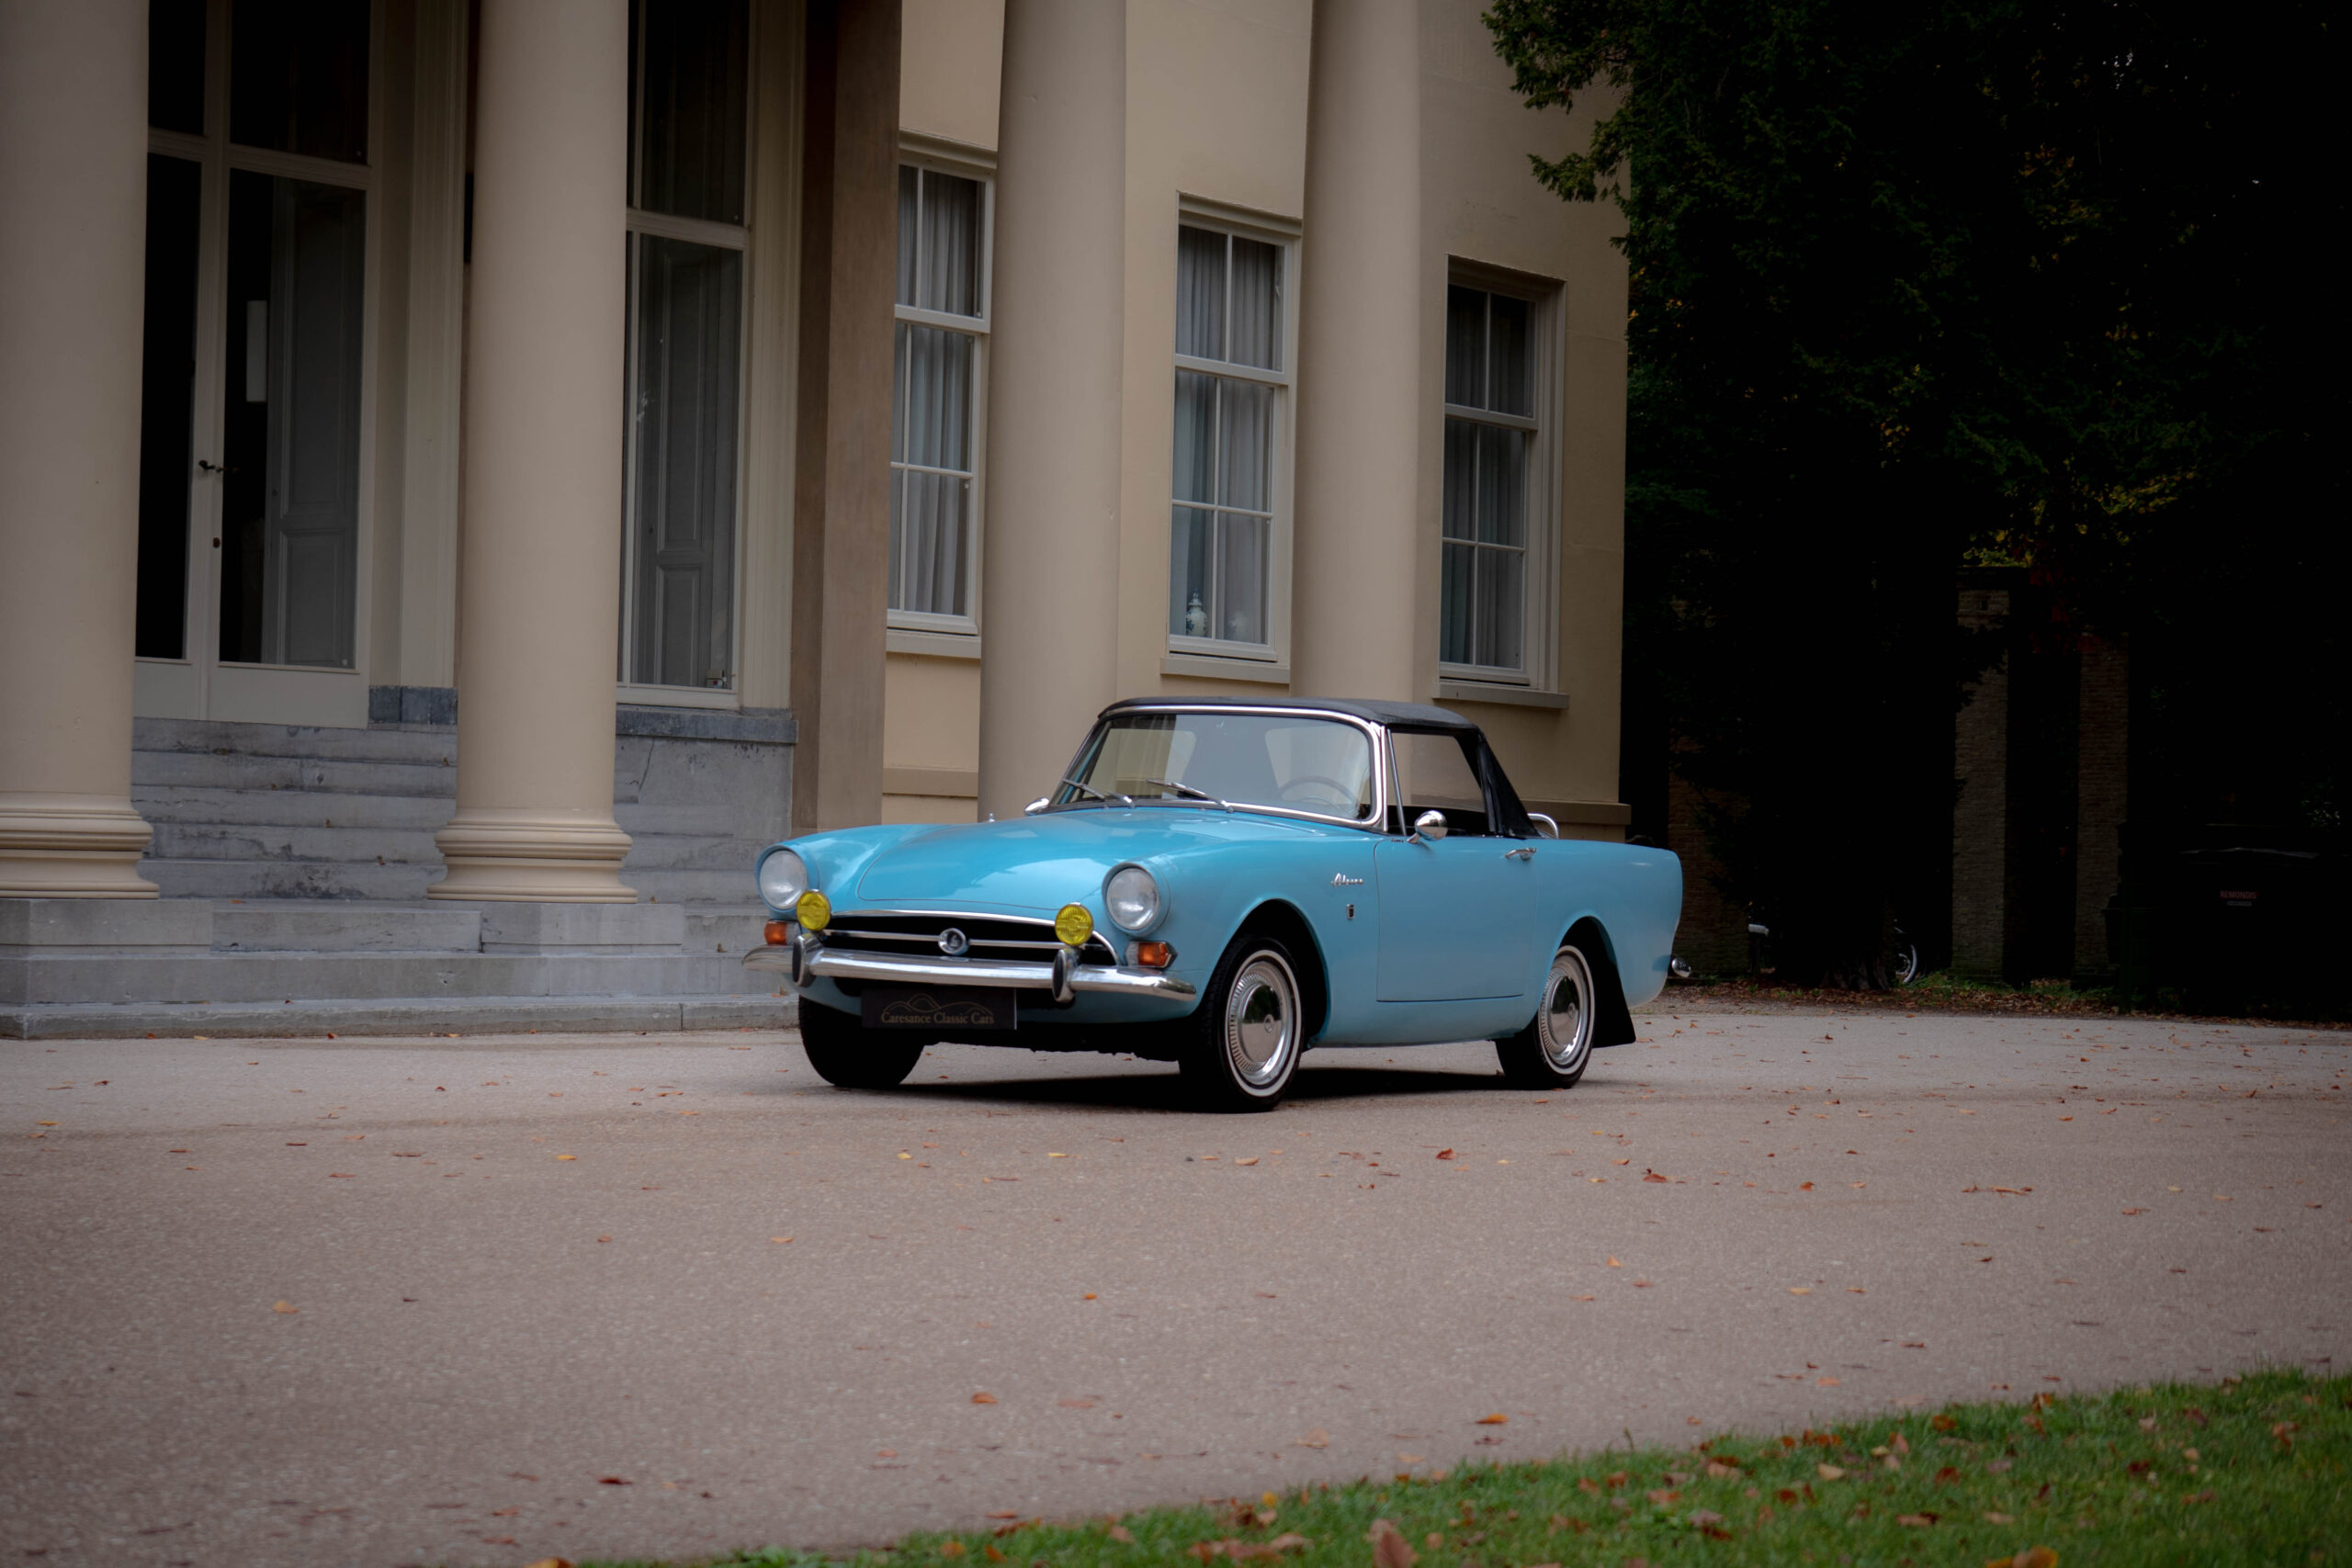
(1231, 385)
(1493, 540)
(689, 153)
(938, 372)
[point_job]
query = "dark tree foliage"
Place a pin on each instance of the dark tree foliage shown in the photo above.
(1918, 286)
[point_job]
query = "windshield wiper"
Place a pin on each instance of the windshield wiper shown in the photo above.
(1189, 793)
(1096, 793)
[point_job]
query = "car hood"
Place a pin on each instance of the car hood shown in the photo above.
(1043, 862)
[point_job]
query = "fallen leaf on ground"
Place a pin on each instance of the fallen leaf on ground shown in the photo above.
(984, 1399)
(1445, 1153)
(1825, 1383)
(1800, 1290)
(1252, 1160)
(614, 1481)
(1122, 1535)
(779, 1240)
(1614, 1264)
(1317, 1439)
(1389, 1550)
(1496, 1419)
(1830, 1472)
(285, 1306)
(1920, 1521)
(1998, 1519)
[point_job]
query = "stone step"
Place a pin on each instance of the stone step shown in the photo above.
(292, 807)
(265, 841)
(436, 746)
(395, 881)
(284, 977)
(735, 931)
(156, 771)
(770, 1017)
(301, 925)
(691, 886)
(693, 851)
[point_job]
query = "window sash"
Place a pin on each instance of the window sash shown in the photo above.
(1491, 596)
(1225, 501)
(934, 565)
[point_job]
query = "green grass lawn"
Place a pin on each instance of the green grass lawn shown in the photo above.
(2250, 1472)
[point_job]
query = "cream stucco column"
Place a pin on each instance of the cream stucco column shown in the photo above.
(72, 266)
(1358, 555)
(1048, 614)
(540, 573)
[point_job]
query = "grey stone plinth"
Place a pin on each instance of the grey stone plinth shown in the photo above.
(287, 925)
(594, 930)
(348, 1019)
(61, 927)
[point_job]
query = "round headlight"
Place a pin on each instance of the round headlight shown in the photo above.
(1132, 897)
(783, 877)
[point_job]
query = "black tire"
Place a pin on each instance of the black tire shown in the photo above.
(1555, 1047)
(848, 1056)
(1245, 1041)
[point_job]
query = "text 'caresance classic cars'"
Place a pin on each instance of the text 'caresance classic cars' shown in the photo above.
(1227, 884)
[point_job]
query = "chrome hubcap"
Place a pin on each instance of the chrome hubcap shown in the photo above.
(1262, 1021)
(1564, 1024)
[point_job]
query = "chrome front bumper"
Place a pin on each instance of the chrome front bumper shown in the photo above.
(1062, 977)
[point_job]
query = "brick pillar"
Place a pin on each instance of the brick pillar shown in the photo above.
(2102, 800)
(1980, 817)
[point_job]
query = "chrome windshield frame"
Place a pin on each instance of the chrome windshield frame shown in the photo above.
(1375, 735)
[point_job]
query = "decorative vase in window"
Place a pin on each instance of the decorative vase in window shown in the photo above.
(1196, 616)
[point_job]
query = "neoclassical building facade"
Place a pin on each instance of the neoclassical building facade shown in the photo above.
(472, 462)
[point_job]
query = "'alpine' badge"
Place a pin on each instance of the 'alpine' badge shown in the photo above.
(1341, 879)
(954, 943)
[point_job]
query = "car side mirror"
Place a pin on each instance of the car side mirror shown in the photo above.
(1544, 825)
(1430, 825)
(1035, 806)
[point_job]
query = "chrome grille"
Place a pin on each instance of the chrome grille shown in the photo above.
(992, 936)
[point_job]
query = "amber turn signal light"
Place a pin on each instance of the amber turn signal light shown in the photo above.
(1155, 954)
(778, 932)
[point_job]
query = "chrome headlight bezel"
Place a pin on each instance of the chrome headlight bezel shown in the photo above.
(783, 876)
(1155, 906)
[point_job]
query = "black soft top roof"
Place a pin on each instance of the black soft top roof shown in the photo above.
(1406, 715)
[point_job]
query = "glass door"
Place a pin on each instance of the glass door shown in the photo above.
(254, 439)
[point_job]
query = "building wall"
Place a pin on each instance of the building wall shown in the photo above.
(1216, 116)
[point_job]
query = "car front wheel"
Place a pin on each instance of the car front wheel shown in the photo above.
(1553, 1051)
(848, 1056)
(1248, 1031)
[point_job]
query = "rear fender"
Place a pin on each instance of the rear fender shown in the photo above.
(1613, 1021)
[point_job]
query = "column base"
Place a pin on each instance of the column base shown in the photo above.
(532, 857)
(71, 846)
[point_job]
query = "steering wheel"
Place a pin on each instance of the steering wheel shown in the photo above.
(1342, 796)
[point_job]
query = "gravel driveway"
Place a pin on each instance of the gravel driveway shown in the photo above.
(476, 1302)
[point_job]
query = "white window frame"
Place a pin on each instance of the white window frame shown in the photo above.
(1539, 621)
(1254, 660)
(725, 236)
(920, 631)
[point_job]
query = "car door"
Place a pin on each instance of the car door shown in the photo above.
(1457, 912)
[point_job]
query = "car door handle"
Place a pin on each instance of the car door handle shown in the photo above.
(1525, 851)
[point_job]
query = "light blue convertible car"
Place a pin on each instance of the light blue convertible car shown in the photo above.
(1225, 884)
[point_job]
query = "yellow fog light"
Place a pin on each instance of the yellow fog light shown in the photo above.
(814, 910)
(1073, 924)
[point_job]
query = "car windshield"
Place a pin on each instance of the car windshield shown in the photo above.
(1282, 762)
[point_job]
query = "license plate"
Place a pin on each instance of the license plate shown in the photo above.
(938, 1008)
